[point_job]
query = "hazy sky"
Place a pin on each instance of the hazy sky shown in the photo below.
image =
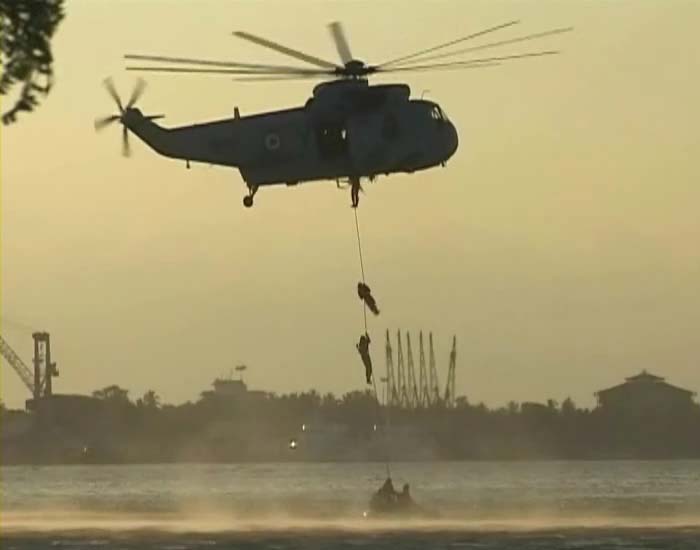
(560, 244)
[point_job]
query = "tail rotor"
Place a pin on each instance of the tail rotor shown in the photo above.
(126, 114)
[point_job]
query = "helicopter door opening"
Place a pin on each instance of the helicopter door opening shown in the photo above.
(332, 140)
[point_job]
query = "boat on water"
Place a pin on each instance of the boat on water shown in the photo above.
(386, 503)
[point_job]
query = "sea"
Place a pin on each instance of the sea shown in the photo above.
(469, 505)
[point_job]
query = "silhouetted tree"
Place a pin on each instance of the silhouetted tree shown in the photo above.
(26, 28)
(552, 405)
(258, 427)
(150, 400)
(568, 408)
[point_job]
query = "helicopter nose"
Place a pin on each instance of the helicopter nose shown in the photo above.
(450, 140)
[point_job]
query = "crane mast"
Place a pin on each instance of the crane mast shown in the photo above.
(450, 388)
(38, 381)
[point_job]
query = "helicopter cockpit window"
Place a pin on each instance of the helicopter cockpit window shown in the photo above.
(437, 114)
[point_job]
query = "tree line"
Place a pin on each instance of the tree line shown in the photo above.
(258, 426)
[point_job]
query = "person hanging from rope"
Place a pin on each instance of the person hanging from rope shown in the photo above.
(355, 189)
(363, 347)
(365, 294)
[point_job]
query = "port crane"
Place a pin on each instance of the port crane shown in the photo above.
(39, 380)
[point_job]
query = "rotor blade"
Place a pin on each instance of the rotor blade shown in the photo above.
(101, 123)
(341, 42)
(299, 72)
(136, 94)
(466, 63)
(494, 44)
(287, 51)
(154, 117)
(109, 85)
(212, 63)
(126, 150)
(450, 43)
(267, 78)
(438, 67)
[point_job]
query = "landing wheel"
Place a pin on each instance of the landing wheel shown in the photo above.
(248, 200)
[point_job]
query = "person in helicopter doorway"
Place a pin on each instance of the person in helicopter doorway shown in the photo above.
(365, 294)
(363, 347)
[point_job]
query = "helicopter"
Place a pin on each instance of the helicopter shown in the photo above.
(347, 131)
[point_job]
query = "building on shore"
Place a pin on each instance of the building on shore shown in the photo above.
(232, 389)
(645, 393)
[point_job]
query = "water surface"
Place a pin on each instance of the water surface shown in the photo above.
(473, 505)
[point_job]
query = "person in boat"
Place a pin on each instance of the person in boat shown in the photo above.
(404, 497)
(387, 490)
(363, 347)
(384, 499)
(365, 294)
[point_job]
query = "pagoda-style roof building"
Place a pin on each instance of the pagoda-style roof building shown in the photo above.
(642, 392)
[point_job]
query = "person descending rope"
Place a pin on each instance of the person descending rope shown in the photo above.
(355, 189)
(365, 294)
(363, 347)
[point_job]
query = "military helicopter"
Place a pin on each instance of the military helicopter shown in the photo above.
(347, 130)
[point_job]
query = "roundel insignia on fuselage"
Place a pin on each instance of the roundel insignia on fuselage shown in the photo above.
(272, 142)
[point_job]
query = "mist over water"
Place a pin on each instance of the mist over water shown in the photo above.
(282, 504)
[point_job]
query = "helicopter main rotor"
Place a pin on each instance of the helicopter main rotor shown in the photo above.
(349, 67)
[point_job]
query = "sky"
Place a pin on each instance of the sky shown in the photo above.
(559, 244)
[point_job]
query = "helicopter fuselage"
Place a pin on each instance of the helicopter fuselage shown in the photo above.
(346, 130)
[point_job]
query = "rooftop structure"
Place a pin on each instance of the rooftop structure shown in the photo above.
(644, 392)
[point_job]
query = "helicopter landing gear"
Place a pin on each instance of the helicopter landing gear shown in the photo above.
(248, 199)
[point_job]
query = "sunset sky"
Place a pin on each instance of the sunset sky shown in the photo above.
(561, 244)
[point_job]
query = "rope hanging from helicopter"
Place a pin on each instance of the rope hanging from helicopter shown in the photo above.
(380, 421)
(362, 265)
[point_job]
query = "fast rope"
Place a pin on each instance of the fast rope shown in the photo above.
(362, 268)
(383, 424)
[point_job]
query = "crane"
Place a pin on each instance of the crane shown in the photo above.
(450, 388)
(38, 385)
(403, 392)
(20, 368)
